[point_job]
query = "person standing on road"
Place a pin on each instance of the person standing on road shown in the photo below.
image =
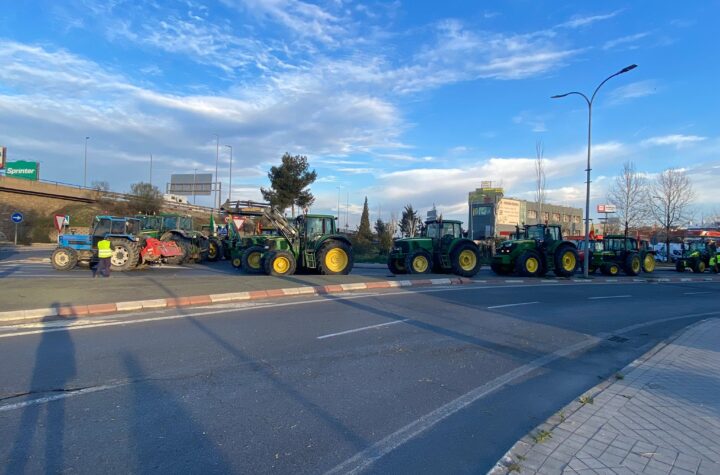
(104, 255)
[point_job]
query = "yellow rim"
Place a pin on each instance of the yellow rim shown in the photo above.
(212, 251)
(62, 258)
(281, 264)
(532, 265)
(420, 264)
(636, 265)
(467, 260)
(614, 270)
(649, 263)
(237, 262)
(701, 266)
(336, 260)
(568, 261)
(254, 260)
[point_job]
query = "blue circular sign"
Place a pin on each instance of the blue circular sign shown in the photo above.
(16, 217)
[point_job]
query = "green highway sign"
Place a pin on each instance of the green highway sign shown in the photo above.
(23, 169)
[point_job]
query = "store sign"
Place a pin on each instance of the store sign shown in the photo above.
(508, 212)
(606, 208)
(22, 169)
(3, 157)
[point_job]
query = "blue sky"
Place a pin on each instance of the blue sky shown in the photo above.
(400, 101)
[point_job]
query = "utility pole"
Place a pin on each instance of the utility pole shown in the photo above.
(230, 184)
(85, 169)
(217, 158)
(151, 169)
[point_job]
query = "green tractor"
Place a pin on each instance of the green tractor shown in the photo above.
(698, 254)
(179, 228)
(311, 242)
(536, 250)
(245, 251)
(621, 253)
(441, 247)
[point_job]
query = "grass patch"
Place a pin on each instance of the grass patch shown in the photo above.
(541, 436)
(586, 400)
(619, 376)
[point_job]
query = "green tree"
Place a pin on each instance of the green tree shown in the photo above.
(363, 239)
(410, 222)
(288, 183)
(144, 198)
(385, 235)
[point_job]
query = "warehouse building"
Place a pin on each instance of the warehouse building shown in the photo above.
(492, 215)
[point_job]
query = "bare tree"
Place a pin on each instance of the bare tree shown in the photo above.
(669, 199)
(628, 193)
(539, 178)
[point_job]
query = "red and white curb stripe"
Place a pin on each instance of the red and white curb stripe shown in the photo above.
(156, 304)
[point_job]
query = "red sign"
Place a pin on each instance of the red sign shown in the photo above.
(3, 157)
(59, 221)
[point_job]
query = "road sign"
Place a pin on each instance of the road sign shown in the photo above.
(23, 169)
(16, 217)
(59, 221)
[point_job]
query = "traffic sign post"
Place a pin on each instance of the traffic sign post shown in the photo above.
(16, 218)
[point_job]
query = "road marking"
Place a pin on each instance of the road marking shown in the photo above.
(610, 297)
(64, 395)
(696, 293)
(512, 305)
(363, 329)
(362, 460)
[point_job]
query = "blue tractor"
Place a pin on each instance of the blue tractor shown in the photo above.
(123, 234)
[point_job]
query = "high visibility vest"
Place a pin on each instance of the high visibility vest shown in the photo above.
(104, 249)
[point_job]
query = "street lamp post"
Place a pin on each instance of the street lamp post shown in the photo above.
(151, 169)
(586, 257)
(217, 157)
(85, 168)
(338, 206)
(230, 184)
(194, 183)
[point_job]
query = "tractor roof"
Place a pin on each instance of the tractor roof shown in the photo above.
(451, 221)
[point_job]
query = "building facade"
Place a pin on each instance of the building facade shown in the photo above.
(492, 215)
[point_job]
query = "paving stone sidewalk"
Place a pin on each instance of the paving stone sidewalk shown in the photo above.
(662, 417)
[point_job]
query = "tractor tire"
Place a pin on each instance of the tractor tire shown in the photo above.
(125, 255)
(335, 258)
(499, 270)
(252, 259)
(529, 264)
(699, 267)
(214, 251)
(680, 266)
(648, 264)
(418, 262)
(279, 263)
(465, 260)
(632, 266)
(64, 258)
(565, 260)
(236, 262)
(396, 266)
(610, 269)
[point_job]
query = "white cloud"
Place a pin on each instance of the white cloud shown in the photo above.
(633, 91)
(581, 21)
(675, 140)
(625, 40)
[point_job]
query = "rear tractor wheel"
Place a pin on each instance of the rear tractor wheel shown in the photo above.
(335, 258)
(465, 260)
(214, 250)
(649, 263)
(125, 255)
(699, 267)
(633, 265)
(396, 266)
(566, 258)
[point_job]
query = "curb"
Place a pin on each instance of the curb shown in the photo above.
(175, 302)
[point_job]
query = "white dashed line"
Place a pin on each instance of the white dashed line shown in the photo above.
(362, 329)
(512, 305)
(610, 297)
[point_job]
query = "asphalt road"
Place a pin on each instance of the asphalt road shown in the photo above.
(442, 380)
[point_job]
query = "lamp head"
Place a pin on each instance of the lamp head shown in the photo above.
(628, 68)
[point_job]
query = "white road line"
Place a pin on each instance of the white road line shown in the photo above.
(363, 329)
(696, 293)
(610, 297)
(367, 457)
(63, 395)
(512, 305)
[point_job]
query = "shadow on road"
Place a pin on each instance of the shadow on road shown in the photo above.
(54, 368)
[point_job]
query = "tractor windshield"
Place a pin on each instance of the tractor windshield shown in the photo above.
(697, 246)
(616, 245)
(318, 226)
(186, 223)
(439, 229)
(133, 226)
(542, 233)
(101, 227)
(170, 222)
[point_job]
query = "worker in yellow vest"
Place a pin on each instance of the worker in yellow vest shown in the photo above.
(104, 255)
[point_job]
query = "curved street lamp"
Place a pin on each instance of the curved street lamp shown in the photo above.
(586, 257)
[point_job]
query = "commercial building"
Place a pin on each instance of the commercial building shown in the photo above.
(492, 215)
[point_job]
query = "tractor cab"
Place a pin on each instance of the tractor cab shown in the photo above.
(314, 226)
(113, 226)
(443, 229)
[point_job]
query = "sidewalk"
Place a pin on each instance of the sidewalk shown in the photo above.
(662, 417)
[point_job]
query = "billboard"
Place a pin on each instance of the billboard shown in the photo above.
(3, 156)
(191, 184)
(508, 212)
(606, 209)
(22, 169)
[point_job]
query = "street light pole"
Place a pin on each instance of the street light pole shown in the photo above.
(230, 184)
(338, 206)
(217, 157)
(586, 257)
(194, 182)
(151, 169)
(85, 168)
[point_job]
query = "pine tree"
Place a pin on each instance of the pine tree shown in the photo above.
(288, 183)
(364, 230)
